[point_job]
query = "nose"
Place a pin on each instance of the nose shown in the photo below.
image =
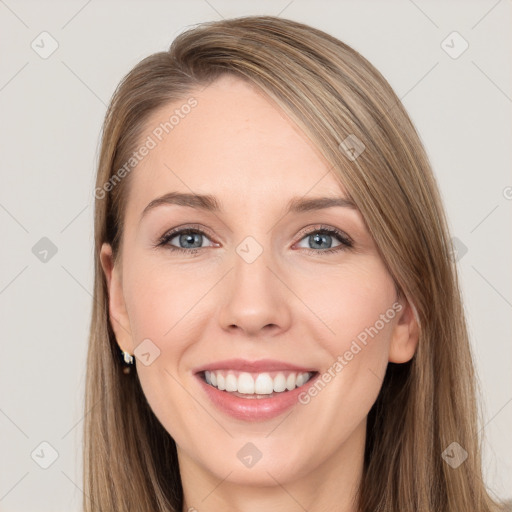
(255, 298)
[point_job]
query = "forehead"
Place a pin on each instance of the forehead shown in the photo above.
(234, 144)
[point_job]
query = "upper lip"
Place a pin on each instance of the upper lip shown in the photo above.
(243, 365)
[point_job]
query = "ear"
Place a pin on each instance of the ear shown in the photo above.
(405, 335)
(117, 308)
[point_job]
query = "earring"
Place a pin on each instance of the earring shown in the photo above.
(128, 359)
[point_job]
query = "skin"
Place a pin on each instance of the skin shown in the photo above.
(302, 307)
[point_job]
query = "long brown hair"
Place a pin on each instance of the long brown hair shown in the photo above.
(332, 93)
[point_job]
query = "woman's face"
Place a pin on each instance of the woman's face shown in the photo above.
(257, 293)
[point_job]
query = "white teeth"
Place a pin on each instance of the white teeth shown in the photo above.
(263, 384)
(279, 383)
(260, 384)
(245, 384)
(221, 383)
(231, 382)
(290, 382)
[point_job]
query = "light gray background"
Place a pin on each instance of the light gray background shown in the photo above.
(52, 109)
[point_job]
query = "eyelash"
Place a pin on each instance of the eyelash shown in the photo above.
(345, 241)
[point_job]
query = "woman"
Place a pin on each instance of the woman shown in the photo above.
(308, 349)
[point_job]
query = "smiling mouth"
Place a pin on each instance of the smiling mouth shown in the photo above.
(256, 385)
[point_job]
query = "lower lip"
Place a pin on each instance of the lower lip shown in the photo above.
(254, 409)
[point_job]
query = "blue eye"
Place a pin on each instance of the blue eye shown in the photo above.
(190, 240)
(320, 238)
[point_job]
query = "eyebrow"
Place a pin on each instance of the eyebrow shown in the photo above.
(210, 203)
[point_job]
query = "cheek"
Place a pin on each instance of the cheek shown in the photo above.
(163, 301)
(169, 307)
(355, 303)
(358, 313)
(162, 304)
